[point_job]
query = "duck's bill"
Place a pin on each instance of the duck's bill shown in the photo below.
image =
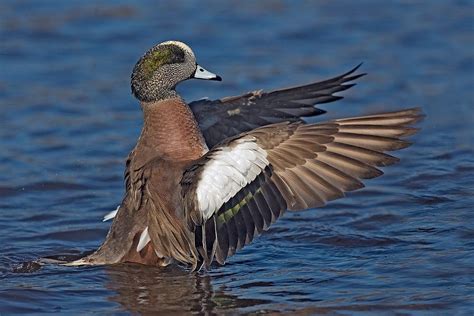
(202, 73)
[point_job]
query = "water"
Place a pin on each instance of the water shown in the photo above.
(405, 244)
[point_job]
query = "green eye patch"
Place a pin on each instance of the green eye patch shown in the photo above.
(162, 55)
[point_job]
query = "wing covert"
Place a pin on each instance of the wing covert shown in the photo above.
(220, 119)
(300, 166)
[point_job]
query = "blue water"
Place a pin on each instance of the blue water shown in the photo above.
(403, 245)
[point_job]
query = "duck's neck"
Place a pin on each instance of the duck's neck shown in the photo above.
(171, 131)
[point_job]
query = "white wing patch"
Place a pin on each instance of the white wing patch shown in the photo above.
(144, 239)
(230, 169)
(111, 215)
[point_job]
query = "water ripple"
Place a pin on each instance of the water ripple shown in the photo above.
(403, 245)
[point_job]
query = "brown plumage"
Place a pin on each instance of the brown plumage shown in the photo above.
(309, 165)
(186, 203)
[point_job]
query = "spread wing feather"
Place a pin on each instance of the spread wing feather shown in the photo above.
(289, 165)
(220, 119)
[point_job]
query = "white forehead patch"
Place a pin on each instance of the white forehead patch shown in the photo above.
(181, 45)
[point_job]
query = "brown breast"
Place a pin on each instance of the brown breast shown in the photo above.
(171, 131)
(169, 142)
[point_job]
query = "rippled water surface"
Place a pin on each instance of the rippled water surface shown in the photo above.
(404, 244)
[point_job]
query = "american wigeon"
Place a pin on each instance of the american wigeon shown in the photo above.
(204, 179)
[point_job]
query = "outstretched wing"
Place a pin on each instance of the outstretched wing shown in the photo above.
(239, 188)
(220, 119)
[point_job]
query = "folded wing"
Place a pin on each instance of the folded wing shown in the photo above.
(240, 187)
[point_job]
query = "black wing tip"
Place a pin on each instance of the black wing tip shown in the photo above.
(338, 80)
(314, 112)
(354, 77)
(331, 98)
(358, 66)
(319, 111)
(353, 70)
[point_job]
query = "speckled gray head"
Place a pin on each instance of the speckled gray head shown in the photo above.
(157, 73)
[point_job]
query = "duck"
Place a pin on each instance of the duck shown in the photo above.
(206, 178)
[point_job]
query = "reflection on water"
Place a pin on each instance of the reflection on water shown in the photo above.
(140, 289)
(402, 245)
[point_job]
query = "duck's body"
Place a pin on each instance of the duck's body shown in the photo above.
(187, 203)
(154, 169)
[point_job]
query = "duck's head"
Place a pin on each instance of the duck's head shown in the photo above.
(157, 73)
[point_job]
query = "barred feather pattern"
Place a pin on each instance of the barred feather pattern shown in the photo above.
(308, 165)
